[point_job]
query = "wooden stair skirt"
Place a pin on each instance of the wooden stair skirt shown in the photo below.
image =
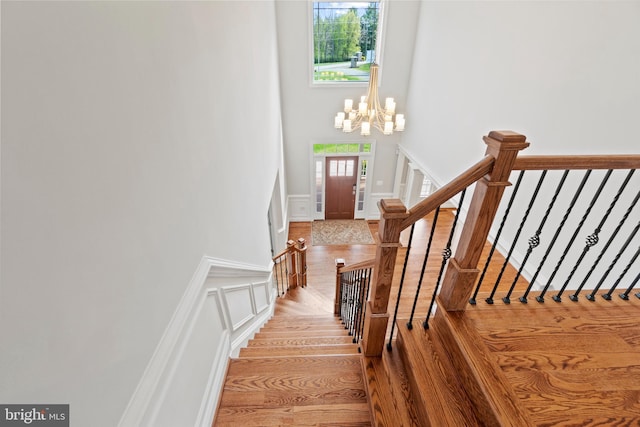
(452, 382)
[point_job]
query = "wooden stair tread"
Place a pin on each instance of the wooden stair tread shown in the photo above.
(341, 349)
(388, 390)
(297, 370)
(310, 415)
(294, 364)
(439, 396)
(300, 341)
(270, 333)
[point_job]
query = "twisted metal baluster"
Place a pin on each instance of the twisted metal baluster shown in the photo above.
(424, 264)
(495, 243)
(540, 298)
(591, 296)
(593, 238)
(607, 296)
(590, 242)
(574, 296)
(507, 298)
(343, 298)
(353, 291)
(534, 241)
(352, 300)
(404, 270)
(363, 304)
(446, 254)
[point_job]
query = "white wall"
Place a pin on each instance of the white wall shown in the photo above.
(308, 111)
(564, 73)
(126, 158)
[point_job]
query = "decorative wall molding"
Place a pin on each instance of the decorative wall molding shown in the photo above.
(224, 304)
(299, 207)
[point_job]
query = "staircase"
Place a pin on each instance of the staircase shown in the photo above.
(298, 370)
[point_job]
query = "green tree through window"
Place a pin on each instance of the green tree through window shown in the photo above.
(344, 40)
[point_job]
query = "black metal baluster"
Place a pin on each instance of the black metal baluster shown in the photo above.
(366, 298)
(343, 294)
(404, 270)
(446, 254)
(591, 240)
(351, 288)
(348, 304)
(625, 295)
(540, 298)
(285, 278)
(275, 277)
(356, 302)
(534, 241)
(507, 298)
(363, 303)
(607, 296)
(424, 264)
(286, 272)
(495, 243)
(591, 296)
(574, 296)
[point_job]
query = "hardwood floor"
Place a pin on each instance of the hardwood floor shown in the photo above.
(569, 364)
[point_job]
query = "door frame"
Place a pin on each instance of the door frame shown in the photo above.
(315, 201)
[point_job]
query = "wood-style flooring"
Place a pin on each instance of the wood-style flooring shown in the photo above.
(571, 364)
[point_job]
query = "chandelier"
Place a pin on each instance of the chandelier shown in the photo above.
(369, 112)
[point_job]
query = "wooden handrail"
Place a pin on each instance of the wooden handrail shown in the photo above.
(449, 190)
(357, 266)
(627, 161)
(491, 176)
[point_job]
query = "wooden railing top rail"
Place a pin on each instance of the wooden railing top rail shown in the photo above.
(617, 161)
(370, 263)
(292, 246)
(449, 190)
(283, 253)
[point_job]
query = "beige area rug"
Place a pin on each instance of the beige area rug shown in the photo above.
(341, 232)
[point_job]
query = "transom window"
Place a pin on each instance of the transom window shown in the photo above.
(345, 40)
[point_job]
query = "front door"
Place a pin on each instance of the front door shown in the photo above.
(340, 187)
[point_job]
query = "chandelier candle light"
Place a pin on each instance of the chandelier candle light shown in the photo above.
(370, 112)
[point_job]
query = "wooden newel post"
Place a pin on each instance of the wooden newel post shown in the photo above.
(462, 272)
(301, 247)
(292, 264)
(392, 214)
(338, 301)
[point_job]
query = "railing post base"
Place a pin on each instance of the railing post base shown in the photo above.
(455, 298)
(376, 326)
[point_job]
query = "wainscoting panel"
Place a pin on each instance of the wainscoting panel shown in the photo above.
(261, 295)
(299, 208)
(221, 309)
(239, 305)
